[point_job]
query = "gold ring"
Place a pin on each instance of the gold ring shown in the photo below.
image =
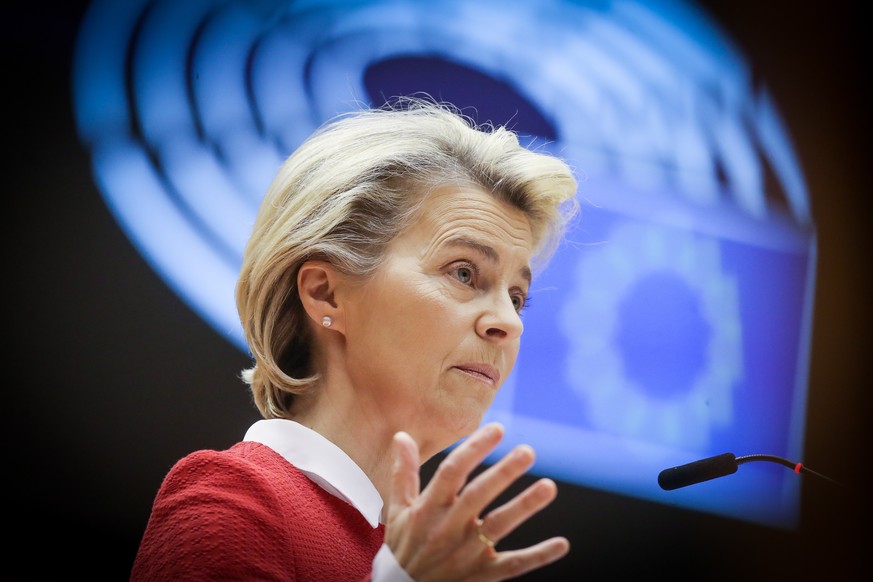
(482, 537)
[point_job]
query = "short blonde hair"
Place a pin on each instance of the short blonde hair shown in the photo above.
(347, 192)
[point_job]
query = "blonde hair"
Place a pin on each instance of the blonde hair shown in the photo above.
(347, 192)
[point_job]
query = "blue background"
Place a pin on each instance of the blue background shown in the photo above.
(113, 377)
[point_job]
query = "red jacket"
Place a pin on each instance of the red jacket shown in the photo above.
(248, 514)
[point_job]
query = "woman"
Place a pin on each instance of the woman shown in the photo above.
(380, 295)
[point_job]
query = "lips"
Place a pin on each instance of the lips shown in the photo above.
(483, 372)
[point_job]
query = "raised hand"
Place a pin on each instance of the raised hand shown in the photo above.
(440, 534)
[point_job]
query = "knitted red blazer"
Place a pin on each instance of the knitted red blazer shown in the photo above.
(248, 514)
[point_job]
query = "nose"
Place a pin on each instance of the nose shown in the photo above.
(499, 321)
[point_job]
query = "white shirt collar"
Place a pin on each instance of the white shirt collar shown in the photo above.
(322, 461)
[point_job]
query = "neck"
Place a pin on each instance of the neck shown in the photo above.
(363, 433)
(358, 421)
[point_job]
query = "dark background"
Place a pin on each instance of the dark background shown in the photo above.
(113, 378)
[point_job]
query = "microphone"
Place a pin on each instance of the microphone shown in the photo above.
(698, 471)
(719, 466)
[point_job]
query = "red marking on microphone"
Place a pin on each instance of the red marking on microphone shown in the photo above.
(798, 467)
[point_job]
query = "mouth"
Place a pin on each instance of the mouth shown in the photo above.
(482, 372)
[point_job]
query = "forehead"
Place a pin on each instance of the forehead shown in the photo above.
(454, 214)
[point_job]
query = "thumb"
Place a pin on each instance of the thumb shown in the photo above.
(405, 480)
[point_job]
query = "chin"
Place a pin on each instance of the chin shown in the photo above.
(463, 423)
(445, 426)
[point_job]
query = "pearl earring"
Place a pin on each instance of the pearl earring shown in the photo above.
(326, 321)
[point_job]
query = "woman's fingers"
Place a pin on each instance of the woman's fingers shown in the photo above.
(503, 520)
(485, 487)
(405, 483)
(466, 501)
(405, 479)
(514, 563)
(438, 535)
(452, 474)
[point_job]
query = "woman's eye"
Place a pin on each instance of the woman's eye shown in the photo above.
(464, 275)
(519, 302)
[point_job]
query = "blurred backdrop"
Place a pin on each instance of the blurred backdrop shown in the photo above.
(115, 376)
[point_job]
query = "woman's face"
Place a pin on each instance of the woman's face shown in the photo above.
(435, 333)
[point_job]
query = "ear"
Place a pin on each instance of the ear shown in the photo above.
(316, 285)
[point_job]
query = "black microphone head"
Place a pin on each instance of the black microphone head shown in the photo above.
(698, 471)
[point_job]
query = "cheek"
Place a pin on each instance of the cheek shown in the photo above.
(432, 307)
(427, 325)
(400, 345)
(419, 300)
(511, 358)
(408, 317)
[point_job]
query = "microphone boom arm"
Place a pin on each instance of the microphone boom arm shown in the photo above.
(798, 468)
(719, 466)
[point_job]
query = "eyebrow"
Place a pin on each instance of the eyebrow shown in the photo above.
(487, 251)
